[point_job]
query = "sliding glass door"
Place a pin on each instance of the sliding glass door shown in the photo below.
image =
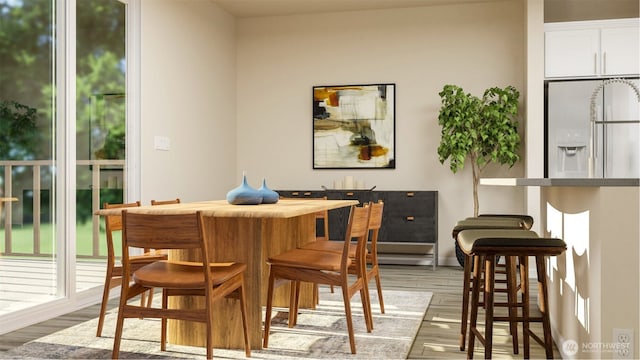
(63, 107)
(100, 128)
(28, 162)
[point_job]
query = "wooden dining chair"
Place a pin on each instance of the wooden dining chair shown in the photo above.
(373, 270)
(321, 217)
(165, 202)
(213, 281)
(114, 274)
(325, 267)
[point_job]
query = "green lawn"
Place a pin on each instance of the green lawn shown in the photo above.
(22, 239)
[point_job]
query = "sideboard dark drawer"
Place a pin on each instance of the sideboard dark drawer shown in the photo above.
(361, 195)
(302, 193)
(413, 229)
(409, 203)
(409, 219)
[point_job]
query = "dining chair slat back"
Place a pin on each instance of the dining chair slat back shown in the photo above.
(164, 232)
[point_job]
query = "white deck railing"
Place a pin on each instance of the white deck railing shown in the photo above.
(96, 166)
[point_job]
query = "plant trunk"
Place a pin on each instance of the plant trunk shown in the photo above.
(476, 181)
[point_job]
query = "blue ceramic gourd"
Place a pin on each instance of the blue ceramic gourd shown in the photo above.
(244, 194)
(268, 196)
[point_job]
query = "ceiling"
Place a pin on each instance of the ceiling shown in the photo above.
(258, 8)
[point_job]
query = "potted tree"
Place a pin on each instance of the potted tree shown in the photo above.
(483, 130)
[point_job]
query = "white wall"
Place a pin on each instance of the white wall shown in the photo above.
(534, 109)
(594, 285)
(420, 50)
(235, 95)
(188, 93)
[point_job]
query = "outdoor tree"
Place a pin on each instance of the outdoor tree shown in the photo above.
(483, 130)
(17, 130)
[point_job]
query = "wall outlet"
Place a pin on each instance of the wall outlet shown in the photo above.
(623, 340)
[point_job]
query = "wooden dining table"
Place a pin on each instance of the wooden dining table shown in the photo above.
(248, 234)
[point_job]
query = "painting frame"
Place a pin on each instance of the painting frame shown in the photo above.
(354, 126)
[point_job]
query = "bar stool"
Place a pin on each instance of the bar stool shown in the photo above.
(526, 222)
(514, 222)
(485, 245)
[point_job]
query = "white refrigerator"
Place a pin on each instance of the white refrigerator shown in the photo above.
(592, 128)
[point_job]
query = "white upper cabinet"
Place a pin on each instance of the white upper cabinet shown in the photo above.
(592, 48)
(620, 48)
(571, 53)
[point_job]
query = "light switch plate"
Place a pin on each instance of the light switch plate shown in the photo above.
(161, 143)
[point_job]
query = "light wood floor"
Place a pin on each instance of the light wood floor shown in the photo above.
(436, 339)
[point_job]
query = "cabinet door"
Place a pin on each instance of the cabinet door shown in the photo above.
(409, 217)
(571, 53)
(620, 48)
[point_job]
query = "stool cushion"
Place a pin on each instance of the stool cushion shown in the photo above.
(467, 238)
(508, 242)
(503, 242)
(489, 223)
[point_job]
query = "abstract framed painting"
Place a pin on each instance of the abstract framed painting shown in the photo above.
(354, 126)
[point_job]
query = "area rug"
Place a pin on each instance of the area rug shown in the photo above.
(319, 334)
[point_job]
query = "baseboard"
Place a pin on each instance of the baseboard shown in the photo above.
(405, 259)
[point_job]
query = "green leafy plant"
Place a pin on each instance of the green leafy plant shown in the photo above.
(483, 130)
(17, 130)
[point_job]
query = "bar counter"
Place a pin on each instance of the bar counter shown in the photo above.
(594, 288)
(544, 182)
